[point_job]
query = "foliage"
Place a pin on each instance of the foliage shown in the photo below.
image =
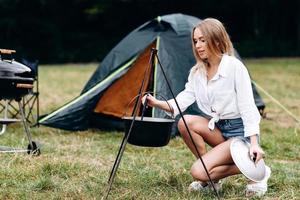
(60, 31)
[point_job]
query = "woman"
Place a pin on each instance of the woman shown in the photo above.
(221, 86)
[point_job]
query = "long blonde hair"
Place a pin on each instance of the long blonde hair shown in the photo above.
(217, 39)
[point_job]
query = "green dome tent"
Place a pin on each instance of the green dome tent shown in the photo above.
(104, 99)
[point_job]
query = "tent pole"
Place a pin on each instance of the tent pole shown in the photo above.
(154, 51)
(126, 136)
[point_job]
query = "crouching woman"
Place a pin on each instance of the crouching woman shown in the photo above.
(220, 85)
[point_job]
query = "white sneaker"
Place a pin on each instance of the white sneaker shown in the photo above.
(217, 185)
(200, 186)
(259, 188)
(197, 186)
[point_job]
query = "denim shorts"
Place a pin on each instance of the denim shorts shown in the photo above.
(232, 128)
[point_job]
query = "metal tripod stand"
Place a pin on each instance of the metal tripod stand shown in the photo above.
(153, 56)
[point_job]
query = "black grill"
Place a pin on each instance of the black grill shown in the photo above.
(16, 79)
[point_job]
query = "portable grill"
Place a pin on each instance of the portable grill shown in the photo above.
(16, 81)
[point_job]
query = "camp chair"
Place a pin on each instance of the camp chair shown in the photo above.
(32, 99)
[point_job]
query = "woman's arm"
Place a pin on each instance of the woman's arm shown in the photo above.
(184, 99)
(245, 100)
(248, 109)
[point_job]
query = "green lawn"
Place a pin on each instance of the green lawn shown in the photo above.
(76, 165)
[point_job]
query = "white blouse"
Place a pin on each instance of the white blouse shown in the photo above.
(228, 95)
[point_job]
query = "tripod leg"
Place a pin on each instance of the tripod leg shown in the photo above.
(117, 163)
(117, 158)
(126, 136)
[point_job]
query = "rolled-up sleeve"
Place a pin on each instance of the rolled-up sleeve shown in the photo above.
(184, 98)
(245, 100)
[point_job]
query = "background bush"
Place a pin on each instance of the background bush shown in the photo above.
(59, 31)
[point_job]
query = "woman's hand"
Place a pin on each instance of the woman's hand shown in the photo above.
(151, 101)
(256, 152)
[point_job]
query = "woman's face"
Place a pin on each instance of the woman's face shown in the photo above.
(201, 44)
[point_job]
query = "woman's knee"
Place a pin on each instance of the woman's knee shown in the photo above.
(181, 125)
(198, 172)
(194, 123)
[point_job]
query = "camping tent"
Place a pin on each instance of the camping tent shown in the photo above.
(105, 98)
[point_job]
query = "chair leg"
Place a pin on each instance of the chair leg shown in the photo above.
(29, 115)
(25, 123)
(5, 117)
(33, 147)
(13, 111)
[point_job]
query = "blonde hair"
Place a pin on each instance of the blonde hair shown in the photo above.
(217, 39)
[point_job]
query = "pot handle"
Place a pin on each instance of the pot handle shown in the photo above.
(145, 93)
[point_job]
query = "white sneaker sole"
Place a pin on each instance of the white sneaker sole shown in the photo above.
(260, 188)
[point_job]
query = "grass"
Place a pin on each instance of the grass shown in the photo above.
(76, 165)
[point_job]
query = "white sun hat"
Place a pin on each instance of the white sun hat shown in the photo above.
(239, 151)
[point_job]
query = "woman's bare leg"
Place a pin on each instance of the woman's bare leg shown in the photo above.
(198, 127)
(218, 162)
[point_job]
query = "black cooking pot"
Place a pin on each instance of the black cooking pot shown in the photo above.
(149, 131)
(15, 78)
